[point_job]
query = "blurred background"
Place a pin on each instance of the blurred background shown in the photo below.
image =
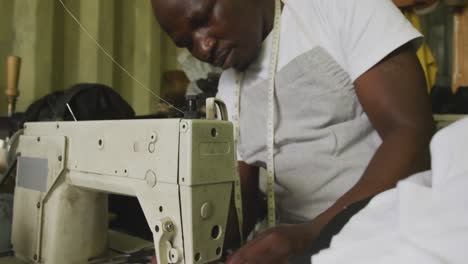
(57, 54)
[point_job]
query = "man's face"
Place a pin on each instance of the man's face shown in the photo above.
(225, 33)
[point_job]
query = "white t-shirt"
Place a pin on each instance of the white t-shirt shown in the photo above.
(323, 138)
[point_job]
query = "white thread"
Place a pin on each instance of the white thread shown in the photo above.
(112, 58)
(71, 112)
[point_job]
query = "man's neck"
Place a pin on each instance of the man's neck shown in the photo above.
(268, 16)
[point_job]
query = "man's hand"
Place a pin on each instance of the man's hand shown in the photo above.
(275, 245)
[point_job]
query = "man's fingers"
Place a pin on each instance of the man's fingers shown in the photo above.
(269, 257)
(266, 249)
(247, 252)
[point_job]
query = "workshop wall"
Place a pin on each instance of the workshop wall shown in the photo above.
(6, 35)
(57, 54)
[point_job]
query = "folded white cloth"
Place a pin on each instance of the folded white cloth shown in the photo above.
(423, 220)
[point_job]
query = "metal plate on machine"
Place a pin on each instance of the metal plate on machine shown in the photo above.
(32, 173)
(113, 147)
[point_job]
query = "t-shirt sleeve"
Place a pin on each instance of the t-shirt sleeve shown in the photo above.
(368, 30)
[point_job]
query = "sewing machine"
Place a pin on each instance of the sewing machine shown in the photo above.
(182, 172)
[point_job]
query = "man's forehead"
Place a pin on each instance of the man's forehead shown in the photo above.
(184, 6)
(167, 12)
(174, 15)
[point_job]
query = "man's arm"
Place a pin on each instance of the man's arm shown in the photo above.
(393, 94)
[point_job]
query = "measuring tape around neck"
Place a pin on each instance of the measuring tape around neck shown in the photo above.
(275, 40)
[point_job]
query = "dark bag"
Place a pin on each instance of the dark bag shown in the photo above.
(88, 101)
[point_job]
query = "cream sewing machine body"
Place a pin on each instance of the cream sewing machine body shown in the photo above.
(182, 172)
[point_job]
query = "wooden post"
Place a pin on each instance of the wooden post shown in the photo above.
(13, 65)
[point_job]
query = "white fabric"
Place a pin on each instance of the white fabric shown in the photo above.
(423, 220)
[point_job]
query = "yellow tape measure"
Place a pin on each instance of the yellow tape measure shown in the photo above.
(237, 183)
(270, 115)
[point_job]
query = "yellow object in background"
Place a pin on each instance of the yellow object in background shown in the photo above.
(424, 53)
